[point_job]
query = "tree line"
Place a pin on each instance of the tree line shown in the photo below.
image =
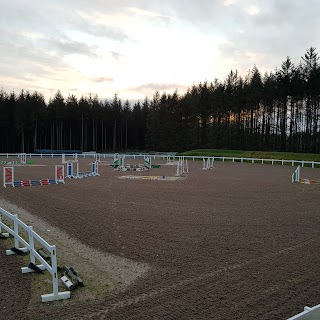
(277, 111)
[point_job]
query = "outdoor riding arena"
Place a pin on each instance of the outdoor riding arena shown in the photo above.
(236, 241)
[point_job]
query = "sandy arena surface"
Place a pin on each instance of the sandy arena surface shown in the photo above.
(239, 241)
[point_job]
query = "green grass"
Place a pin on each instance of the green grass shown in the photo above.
(253, 154)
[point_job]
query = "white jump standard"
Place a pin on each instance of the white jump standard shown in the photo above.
(207, 163)
(23, 158)
(296, 175)
(79, 175)
(182, 168)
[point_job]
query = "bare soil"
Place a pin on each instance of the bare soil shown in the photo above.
(239, 241)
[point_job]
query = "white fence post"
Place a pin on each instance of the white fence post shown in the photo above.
(16, 231)
(31, 243)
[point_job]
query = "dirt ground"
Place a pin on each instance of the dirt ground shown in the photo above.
(239, 241)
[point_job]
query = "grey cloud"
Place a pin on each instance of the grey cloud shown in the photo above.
(106, 32)
(277, 31)
(67, 46)
(150, 88)
(116, 55)
(281, 27)
(35, 58)
(79, 23)
(103, 79)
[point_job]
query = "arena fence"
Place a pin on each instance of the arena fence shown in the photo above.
(308, 313)
(30, 240)
(165, 156)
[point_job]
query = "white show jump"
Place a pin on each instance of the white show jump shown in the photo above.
(8, 178)
(78, 174)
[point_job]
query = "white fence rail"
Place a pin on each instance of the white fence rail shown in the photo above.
(308, 313)
(302, 163)
(29, 239)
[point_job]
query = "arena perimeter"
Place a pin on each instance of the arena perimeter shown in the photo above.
(238, 241)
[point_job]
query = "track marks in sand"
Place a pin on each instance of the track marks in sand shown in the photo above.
(104, 311)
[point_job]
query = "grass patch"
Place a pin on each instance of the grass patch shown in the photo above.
(253, 154)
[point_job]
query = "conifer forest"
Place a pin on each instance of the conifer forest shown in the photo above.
(275, 111)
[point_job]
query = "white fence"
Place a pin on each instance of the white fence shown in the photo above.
(29, 239)
(308, 313)
(103, 156)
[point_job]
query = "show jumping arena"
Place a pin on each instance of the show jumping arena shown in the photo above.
(239, 241)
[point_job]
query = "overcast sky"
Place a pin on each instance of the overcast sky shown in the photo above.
(135, 47)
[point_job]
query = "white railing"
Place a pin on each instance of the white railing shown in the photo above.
(302, 163)
(29, 240)
(308, 313)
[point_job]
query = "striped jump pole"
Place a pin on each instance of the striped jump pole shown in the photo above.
(308, 181)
